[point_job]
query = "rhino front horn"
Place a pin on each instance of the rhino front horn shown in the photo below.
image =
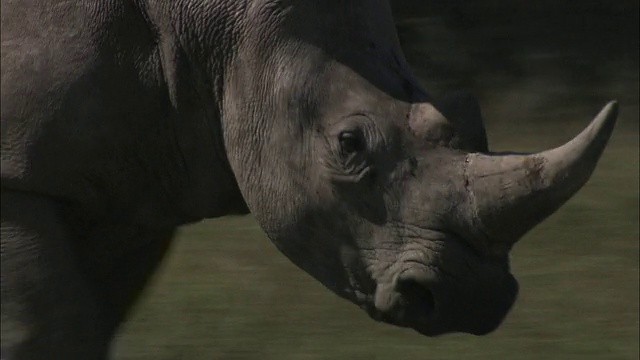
(508, 194)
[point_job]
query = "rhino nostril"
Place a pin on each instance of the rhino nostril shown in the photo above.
(417, 296)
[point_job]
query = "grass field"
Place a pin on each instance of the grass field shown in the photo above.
(224, 292)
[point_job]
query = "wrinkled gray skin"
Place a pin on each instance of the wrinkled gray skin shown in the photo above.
(122, 120)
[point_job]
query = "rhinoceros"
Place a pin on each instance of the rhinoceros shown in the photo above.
(123, 120)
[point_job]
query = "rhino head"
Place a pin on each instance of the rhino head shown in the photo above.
(387, 196)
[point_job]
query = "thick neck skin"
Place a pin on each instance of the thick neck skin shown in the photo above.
(197, 40)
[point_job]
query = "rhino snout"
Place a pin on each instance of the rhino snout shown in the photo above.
(408, 300)
(419, 300)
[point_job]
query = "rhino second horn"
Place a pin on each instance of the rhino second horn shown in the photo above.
(508, 194)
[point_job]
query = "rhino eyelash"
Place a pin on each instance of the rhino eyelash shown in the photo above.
(354, 177)
(352, 168)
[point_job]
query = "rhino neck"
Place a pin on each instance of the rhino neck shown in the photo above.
(193, 57)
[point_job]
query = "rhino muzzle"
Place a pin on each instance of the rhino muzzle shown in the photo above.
(433, 305)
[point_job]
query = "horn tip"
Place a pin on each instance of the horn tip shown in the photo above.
(606, 119)
(611, 108)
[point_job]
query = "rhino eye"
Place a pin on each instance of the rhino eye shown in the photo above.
(351, 142)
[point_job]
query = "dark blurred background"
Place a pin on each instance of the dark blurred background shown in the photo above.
(472, 44)
(541, 70)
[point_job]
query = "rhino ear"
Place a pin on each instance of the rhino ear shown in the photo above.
(462, 111)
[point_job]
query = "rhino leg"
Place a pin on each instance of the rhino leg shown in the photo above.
(118, 265)
(48, 308)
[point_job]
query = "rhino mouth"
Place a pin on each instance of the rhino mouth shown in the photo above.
(418, 299)
(434, 300)
(443, 309)
(407, 304)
